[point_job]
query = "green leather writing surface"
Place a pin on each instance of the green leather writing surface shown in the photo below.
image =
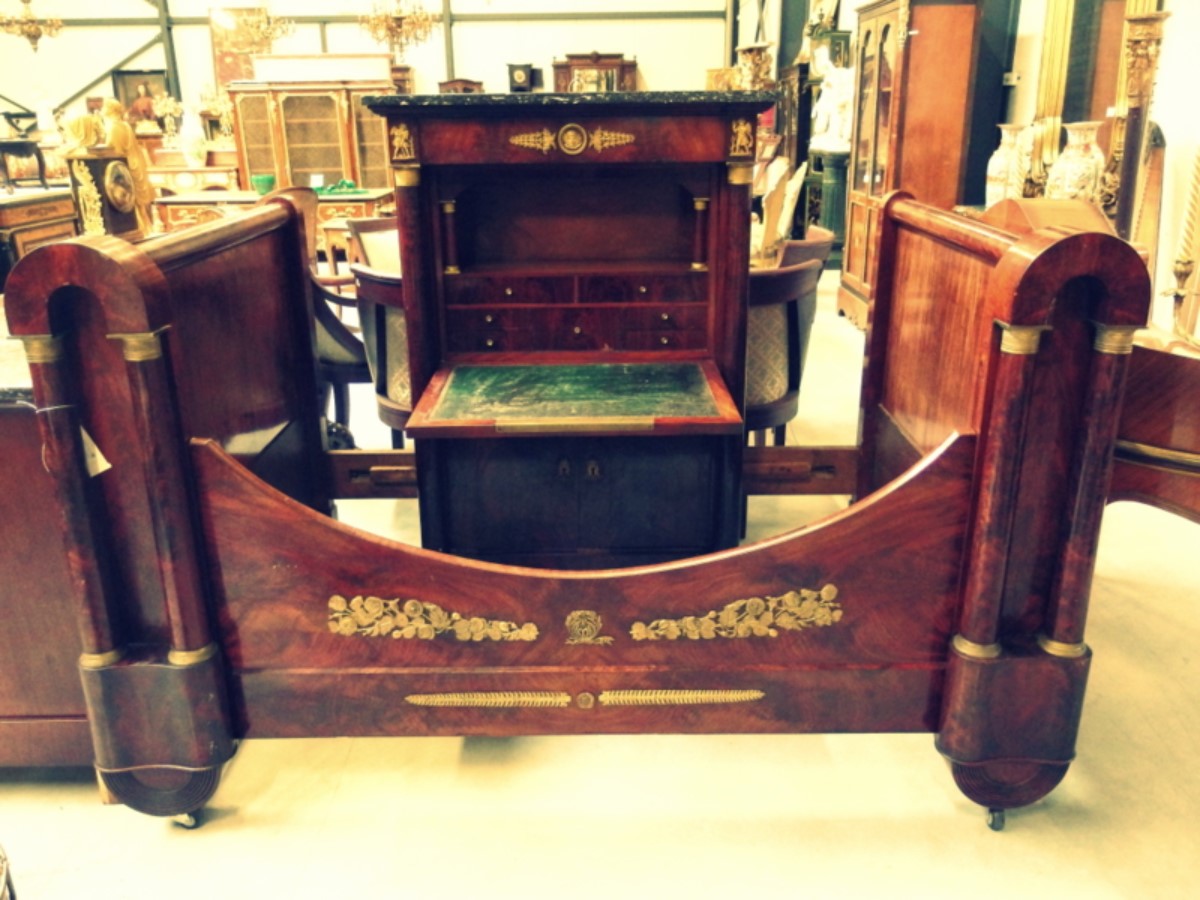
(576, 391)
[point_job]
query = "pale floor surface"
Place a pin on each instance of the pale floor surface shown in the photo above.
(821, 816)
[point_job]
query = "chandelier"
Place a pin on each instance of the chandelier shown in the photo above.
(263, 29)
(401, 23)
(29, 27)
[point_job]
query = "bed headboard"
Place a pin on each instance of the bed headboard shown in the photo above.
(201, 333)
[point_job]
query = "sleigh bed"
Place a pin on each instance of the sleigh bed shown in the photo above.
(218, 600)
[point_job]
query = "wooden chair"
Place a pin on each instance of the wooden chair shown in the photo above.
(783, 302)
(374, 255)
(816, 244)
(341, 356)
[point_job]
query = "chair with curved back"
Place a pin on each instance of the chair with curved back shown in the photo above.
(374, 257)
(783, 302)
(341, 356)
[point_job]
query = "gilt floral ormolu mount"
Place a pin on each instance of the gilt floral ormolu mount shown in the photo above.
(218, 601)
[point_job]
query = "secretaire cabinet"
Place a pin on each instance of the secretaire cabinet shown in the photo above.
(916, 68)
(575, 275)
(297, 130)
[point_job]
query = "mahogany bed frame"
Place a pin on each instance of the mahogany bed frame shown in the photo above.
(217, 599)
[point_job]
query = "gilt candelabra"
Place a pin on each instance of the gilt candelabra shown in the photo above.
(399, 23)
(28, 26)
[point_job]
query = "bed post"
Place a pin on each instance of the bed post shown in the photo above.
(160, 722)
(1017, 668)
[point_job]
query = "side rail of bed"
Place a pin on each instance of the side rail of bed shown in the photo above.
(1158, 442)
(131, 347)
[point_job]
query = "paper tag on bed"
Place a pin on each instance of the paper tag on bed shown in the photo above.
(93, 459)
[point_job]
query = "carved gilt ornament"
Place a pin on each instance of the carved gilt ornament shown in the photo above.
(417, 620)
(571, 139)
(753, 617)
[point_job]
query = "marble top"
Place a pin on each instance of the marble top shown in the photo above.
(663, 101)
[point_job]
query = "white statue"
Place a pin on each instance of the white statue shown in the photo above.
(833, 113)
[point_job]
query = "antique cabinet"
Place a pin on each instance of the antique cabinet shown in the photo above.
(915, 70)
(182, 179)
(590, 72)
(30, 219)
(181, 210)
(575, 271)
(301, 131)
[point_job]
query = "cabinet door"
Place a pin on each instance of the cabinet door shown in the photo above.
(312, 138)
(650, 495)
(372, 168)
(510, 497)
(254, 134)
(517, 499)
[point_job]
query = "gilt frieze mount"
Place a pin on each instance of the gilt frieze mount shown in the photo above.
(412, 619)
(752, 617)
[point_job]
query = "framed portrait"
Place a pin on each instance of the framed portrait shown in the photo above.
(137, 90)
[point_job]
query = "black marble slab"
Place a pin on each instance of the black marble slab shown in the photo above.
(608, 102)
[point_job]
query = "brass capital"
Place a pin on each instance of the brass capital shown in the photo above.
(741, 173)
(1115, 339)
(970, 649)
(1021, 340)
(140, 346)
(42, 348)
(100, 660)
(192, 657)
(1061, 649)
(408, 176)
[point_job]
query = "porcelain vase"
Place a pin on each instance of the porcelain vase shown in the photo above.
(1075, 175)
(1005, 177)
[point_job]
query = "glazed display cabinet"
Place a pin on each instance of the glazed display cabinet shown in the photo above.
(309, 134)
(918, 72)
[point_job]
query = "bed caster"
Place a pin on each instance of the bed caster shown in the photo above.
(176, 794)
(995, 819)
(188, 820)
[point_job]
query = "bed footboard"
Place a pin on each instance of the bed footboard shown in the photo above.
(950, 598)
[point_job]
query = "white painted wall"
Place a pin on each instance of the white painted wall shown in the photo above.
(671, 53)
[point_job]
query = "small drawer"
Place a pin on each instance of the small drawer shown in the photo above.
(583, 329)
(483, 330)
(642, 289)
(472, 290)
(663, 340)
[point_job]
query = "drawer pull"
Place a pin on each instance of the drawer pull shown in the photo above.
(666, 317)
(641, 289)
(489, 343)
(489, 318)
(577, 330)
(592, 471)
(664, 341)
(508, 292)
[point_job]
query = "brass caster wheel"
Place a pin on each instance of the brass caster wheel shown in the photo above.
(995, 819)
